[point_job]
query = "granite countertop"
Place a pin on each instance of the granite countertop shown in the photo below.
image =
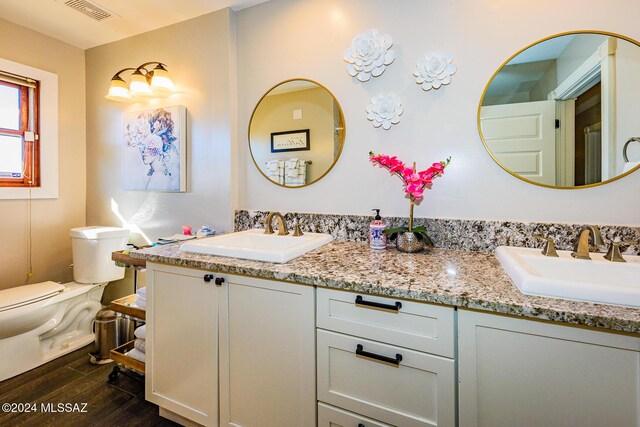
(464, 279)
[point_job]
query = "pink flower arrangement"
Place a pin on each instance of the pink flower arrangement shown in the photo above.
(414, 182)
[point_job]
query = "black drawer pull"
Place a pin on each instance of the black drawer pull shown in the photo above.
(208, 277)
(377, 358)
(219, 281)
(378, 305)
(361, 425)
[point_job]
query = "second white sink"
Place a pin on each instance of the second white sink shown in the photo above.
(257, 246)
(595, 280)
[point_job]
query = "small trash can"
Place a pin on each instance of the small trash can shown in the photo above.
(126, 327)
(106, 330)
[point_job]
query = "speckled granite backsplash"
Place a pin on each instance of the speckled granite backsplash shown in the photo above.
(469, 235)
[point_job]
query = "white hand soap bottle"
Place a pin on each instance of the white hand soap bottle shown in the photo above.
(377, 239)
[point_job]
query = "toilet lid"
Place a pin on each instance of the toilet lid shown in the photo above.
(28, 294)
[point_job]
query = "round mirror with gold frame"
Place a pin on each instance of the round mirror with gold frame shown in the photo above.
(563, 112)
(296, 133)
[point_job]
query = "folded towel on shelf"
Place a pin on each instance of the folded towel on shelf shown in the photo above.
(141, 332)
(629, 165)
(136, 354)
(291, 167)
(140, 345)
(141, 298)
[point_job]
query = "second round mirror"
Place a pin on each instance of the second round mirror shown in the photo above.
(563, 111)
(296, 133)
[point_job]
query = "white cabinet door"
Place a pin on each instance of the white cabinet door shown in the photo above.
(391, 384)
(267, 354)
(526, 373)
(182, 347)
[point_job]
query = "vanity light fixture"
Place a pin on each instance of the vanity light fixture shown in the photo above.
(144, 83)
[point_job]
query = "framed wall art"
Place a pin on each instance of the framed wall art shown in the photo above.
(155, 149)
(294, 140)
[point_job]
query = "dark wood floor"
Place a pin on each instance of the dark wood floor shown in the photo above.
(72, 379)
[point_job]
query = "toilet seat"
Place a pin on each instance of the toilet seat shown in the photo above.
(23, 295)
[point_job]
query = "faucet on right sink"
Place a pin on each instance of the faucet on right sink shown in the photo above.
(589, 234)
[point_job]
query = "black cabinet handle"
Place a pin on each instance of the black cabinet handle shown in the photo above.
(377, 358)
(361, 425)
(219, 281)
(208, 277)
(378, 305)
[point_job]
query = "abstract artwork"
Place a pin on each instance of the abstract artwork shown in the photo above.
(155, 149)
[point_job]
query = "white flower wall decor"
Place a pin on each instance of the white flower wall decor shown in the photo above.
(434, 70)
(369, 54)
(385, 110)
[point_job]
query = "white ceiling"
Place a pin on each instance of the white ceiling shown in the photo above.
(131, 17)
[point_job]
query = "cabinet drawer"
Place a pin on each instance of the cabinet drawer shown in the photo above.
(328, 416)
(417, 391)
(421, 327)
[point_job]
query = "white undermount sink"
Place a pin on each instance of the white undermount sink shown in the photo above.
(595, 280)
(257, 246)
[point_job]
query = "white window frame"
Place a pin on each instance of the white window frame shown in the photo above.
(48, 134)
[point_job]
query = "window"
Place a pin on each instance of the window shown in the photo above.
(19, 131)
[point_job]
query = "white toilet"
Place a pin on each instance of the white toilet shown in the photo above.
(46, 320)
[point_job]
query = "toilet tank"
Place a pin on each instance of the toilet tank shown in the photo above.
(92, 247)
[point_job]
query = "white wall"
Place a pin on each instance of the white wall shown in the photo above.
(283, 39)
(198, 54)
(51, 218)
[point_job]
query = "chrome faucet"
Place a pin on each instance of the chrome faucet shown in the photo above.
(282, 226)
(589, 234)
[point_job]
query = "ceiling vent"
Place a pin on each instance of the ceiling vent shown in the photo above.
(90, 9)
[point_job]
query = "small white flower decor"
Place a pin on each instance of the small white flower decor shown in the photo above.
(369, 54)
(385, 110)
(434, 70)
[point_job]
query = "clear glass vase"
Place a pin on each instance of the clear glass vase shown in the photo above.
(409, 242)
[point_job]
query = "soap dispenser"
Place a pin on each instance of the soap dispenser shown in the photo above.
(377, 239)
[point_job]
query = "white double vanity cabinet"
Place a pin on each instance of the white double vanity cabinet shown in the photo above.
(238, 351)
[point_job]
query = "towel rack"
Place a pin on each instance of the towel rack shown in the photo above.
(309, 162)
(626, 144)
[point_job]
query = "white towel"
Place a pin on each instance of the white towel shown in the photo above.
(140, 303)
(272, 166)
(629, 165)
(278, 174)
(136, 354)
(292, 167)
(141, 332)
(140, 345)
(300, 177)
(141, 298)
